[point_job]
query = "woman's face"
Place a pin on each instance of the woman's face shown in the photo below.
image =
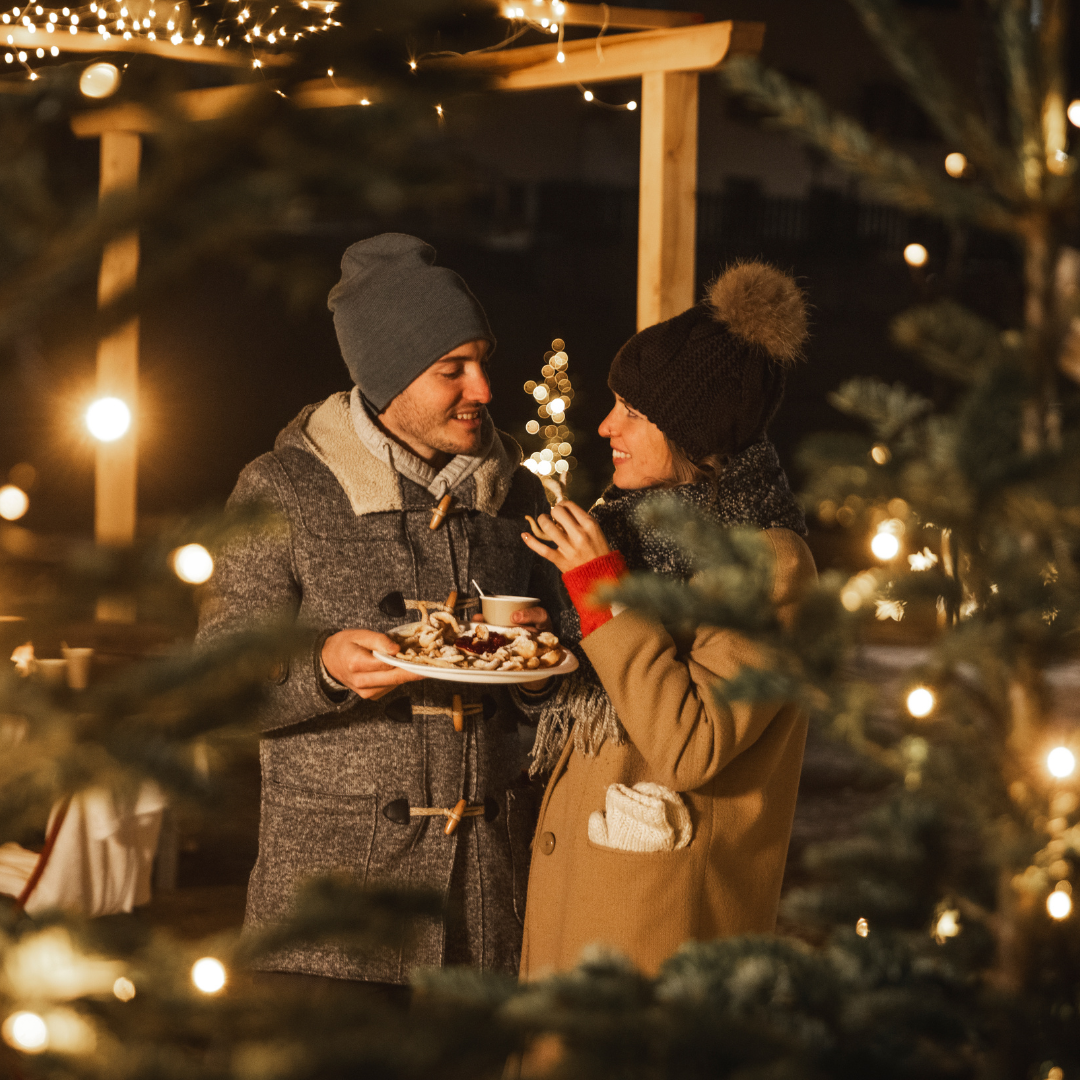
(639, 450)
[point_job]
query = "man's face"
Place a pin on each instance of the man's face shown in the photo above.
(441, 411)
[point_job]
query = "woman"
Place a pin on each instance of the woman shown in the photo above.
(668, 814)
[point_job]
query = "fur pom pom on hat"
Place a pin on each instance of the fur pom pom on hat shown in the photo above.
(713, 377)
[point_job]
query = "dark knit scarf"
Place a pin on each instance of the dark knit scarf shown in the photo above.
(752, 490)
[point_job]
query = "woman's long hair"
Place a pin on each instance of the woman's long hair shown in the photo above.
(686, 471)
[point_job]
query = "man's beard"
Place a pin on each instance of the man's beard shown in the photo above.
(436, 432)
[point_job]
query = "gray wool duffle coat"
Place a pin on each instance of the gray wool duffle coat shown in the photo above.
(357, 548)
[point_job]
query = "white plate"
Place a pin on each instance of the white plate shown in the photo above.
(568, 663)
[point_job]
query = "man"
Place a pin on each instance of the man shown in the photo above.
(358, 478)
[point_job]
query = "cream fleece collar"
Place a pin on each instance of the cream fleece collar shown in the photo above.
(367, 463)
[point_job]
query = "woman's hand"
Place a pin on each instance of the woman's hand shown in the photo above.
(577, 538)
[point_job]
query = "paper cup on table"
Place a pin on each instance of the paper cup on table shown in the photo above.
(78, 667)
(499, 610)
(53, 671)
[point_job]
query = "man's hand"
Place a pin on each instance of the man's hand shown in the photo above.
(347, 656)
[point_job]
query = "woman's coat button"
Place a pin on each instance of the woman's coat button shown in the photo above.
(547, 843)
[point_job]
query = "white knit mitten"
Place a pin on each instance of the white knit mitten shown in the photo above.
(646, 817)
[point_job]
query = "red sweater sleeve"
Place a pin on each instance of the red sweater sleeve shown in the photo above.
(582, 580)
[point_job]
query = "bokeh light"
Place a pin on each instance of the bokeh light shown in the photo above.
(26, 1031)
(947, 926)
(208, 975)
(885, 546)
(1059, 904)
(862, 928)
(881, 454)
(108, 419)
(1061, 762)
(99, 80)
(192, 563)
(1074, 113)
(14, 502)
(955, 164)
(916, 255)
(920, 702)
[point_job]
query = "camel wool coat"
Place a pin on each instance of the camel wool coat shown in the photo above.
(737, 768)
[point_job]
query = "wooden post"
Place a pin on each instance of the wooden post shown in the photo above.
(118, 369)
(667, 221)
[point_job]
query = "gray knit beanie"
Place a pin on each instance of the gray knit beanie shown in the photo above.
(396, 313)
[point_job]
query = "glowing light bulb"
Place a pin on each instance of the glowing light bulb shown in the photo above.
(124, 989)
(561, 57)
(108, 419)
(26, 1031)
(1059, 904)
(588, 95)
(208, 975)
(192, 563)
(1074, 113)
(920, 702)
(955, 164)
(881, 454)
(885, 546)
(412, 65)
(557, 405)
(947, 926)
(14, 502)
(631, 106)
(99, 80)
(862, 928)
(1060, 762)
(916, 255)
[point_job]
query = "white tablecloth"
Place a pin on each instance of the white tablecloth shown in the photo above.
(103, 856)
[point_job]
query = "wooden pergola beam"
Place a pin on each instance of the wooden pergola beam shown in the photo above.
(218, 102)
(83, 41)
(602, 15)
(624, 56)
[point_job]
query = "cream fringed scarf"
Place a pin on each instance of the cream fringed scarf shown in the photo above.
(753, 490)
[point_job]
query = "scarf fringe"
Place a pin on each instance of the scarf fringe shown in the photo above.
(580, 706)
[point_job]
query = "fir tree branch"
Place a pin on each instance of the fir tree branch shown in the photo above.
(1014, 40)
(895, 176)
(916, 63)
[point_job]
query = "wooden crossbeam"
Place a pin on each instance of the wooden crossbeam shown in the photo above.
(597, 15)
(20, 37)
(218, 102)
(624, 56)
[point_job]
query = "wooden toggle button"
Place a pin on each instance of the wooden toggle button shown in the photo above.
(457, 711)
(440, 511)
(453, 819)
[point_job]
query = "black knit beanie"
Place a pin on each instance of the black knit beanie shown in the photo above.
(712, 378)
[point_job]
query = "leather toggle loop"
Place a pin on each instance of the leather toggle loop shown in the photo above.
(399, 812)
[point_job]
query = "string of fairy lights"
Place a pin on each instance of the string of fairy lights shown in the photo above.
(553, 394)
(36, 31)
(263, 26)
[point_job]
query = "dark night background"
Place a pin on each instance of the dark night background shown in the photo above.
(544, 231)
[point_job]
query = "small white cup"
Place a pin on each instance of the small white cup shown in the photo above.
(78, 667)
(53, 671)
(499, 610)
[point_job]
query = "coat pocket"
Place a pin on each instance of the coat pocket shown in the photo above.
(303, 834)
